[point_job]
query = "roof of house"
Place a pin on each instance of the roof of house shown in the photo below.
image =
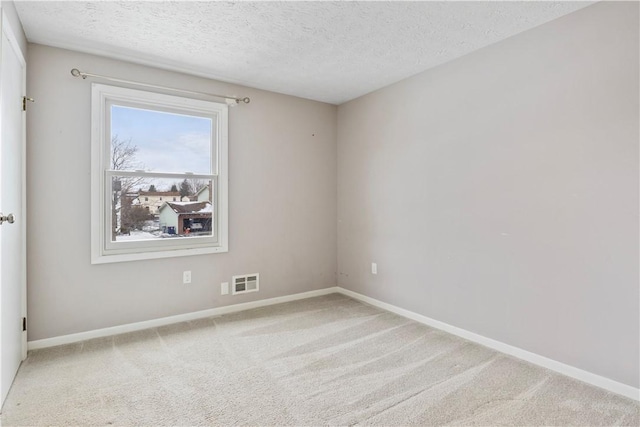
(189, 207)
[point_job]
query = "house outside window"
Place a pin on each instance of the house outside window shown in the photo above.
(144, 145)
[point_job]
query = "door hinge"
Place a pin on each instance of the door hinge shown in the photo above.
(24, 102)
(24, 323)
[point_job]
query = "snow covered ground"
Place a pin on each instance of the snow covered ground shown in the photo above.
(136, 235)
(157, 234)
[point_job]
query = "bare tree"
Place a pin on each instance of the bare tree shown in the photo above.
(134, 218)
(196, 184)
(123, 154)
(189, 186)
(123, 157)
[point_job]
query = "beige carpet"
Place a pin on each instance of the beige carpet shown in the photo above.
(322, 361)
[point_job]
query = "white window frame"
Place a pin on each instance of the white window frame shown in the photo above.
(103, 250)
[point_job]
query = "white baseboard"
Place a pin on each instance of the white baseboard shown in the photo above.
(154, 323)
(536, 359)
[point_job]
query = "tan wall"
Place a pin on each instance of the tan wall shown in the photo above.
(282, 193)
(499, 192)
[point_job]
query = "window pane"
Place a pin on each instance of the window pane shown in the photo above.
(143, 208)
(157, 141)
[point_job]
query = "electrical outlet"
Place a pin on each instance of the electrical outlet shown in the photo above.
(224, 288)
(374, 268)
(186, 276)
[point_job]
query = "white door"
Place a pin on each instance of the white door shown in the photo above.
(12, 231)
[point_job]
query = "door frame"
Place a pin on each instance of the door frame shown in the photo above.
(8, 31)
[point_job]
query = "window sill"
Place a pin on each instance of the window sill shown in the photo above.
(138, 256)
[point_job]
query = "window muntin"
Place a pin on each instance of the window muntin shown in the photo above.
(130, 197)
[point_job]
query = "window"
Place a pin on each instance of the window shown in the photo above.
(148, 145)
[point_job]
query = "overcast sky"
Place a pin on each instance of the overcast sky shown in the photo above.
(166, 142)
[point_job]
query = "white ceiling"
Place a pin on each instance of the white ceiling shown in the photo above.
(326, 51)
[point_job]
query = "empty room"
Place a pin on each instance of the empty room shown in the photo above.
(320, 213)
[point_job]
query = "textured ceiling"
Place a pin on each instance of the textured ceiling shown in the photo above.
(327, 51)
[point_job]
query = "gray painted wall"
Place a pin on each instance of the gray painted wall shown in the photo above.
(282, 192)
(499, 192)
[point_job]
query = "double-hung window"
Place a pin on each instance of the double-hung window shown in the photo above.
(159, 175)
